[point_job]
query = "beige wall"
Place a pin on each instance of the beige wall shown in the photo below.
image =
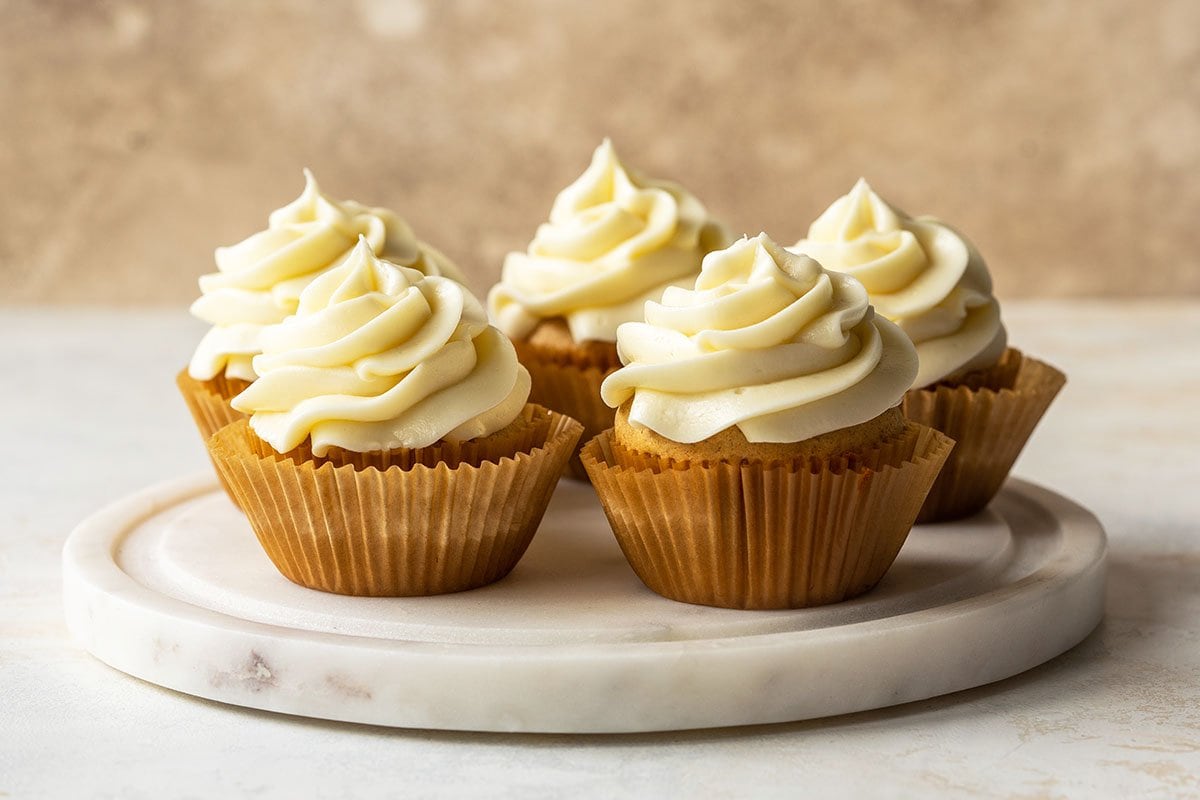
(136, 136)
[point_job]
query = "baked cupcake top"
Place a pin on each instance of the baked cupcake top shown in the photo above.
(259, 280)
(767, 341)
(920, 273)
(615, 239)
(380, 357)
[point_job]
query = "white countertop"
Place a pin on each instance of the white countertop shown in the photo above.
(91, 413)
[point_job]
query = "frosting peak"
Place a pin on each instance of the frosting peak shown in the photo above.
(920, 273)
(859, 213)
(614, 239)
(767, 341)
(259, 280)
(379, 357)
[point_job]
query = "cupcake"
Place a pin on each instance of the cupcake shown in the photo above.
(759, 457)
(615, 239)
(932, 282)
(388, 448)
(259, 281)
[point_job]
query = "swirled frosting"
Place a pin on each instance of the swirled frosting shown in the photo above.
(379, 357)
(920, 273)
(615, 239)
(259, 280)
(767, 341)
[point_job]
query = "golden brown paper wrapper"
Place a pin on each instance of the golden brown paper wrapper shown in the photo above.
(763, 535)
(398, 531)
(990, 414)
(570, 385)
(208, 401)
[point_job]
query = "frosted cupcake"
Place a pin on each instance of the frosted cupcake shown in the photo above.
(259, 281)
(389, 448)
(615, 239)
(933, 283)
(759, 457)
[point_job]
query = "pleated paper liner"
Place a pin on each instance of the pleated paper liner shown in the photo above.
(208, 402)
(990, 415)
(759, 535)
(398, 531)
(570, 386)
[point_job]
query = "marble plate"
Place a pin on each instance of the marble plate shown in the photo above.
(169, 585)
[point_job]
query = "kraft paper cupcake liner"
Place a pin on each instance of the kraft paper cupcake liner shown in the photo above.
(570, 386)
(208, 402)
(765, 535)
(421, 530)
(990, 416)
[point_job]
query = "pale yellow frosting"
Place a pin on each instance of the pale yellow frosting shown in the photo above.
(259, 280)
(920, 273)
(379, 357)
(767, 341)
(615, 239)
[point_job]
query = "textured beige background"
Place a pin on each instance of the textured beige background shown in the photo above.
(136, 136)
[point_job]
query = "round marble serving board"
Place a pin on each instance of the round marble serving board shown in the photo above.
(169, 585)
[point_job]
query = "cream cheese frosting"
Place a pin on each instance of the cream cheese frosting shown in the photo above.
(379, 357)
(767, 341)
(614, 240)
(259, 280)
(920, 273)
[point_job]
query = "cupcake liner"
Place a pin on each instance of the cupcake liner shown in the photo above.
(208, 402)
(990, 415)
(391, 532)
(569, 385)
(765, 535)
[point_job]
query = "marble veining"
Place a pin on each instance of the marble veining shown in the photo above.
(1118, 716)
(968, 603)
